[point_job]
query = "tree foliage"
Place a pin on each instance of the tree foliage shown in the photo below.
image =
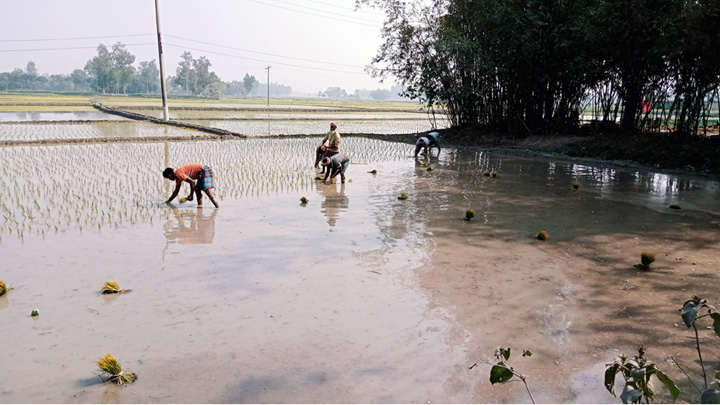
(534, 66)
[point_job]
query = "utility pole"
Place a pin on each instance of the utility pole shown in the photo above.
(268, 81)
(162, 65)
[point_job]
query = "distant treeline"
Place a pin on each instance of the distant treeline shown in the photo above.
(534, 66)
(112, 72)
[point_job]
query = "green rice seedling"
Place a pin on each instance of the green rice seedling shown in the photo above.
(34, 312)
(486, 173)
(646, 258)
(469, 214)
(494, 173)
(576, 185)
(4, 288)
(112, 370)
(403, 196)
(543, 235)
(303, 200)
(111, 287)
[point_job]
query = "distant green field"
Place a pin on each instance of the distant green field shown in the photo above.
(54, 102)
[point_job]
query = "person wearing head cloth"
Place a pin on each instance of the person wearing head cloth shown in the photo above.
(200, 178)
(331, 143)
(337, 164)
(425, 142)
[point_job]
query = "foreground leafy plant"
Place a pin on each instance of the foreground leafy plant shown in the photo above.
(502, 372)
(113, 372)
(111, 287)
(690, 314)
(637, 373)
(712, 395)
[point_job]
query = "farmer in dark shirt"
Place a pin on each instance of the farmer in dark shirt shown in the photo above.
(337, 164)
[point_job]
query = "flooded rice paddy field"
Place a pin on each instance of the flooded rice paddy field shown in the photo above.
(35, 116)
(355, 296)
(73, 130)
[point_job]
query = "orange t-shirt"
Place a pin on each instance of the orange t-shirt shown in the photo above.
(191, 170)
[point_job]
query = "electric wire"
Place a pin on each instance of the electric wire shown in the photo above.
(261, 60)
(262, 53)
(316, 15)
(75, 38)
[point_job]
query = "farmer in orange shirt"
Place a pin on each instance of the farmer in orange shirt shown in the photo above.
(200, 178)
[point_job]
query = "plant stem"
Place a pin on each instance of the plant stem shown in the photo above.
(697, 344)
(527, 388)
(686, 375)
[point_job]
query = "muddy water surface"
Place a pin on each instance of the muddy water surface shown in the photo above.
(358, 296)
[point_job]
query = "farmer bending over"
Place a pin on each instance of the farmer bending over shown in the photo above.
(337, 164)
(331, 143)
(200, 178)
(425, 142)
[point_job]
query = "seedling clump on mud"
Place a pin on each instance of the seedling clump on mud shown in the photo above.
(3, 288)
(576, 185)
(113, 372)
(469, 214)
(646, 259)
(303, 200)
(403, 196)
(486, 173)
(112, 287)
(543, 235)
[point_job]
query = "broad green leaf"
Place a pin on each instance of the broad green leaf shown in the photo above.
(669, 383)
(500, 374)
(610, 377)
(711, 396)
(630, 395)
(637, 373)
(716, 322)
(527, 353)
(506, 353)
(689, 312)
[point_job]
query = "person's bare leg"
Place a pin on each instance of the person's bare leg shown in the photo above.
(211, 196)
(198, 192)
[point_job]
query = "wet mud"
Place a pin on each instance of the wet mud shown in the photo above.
(357, 296)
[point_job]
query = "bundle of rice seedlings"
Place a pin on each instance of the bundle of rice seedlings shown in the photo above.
(469, 214)
(494, 173)
(182, 200)
(543, 235)
(373, 171)
(403, 196)
(111, 287)
(3, 288)
(429, 169)
(34, 312)
(318, 178)
(646, 259)
(111, 367)
(576, 185)
(303, 200)
(675, 206)
(486, 172)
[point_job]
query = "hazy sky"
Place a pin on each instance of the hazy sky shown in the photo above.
(310, 44)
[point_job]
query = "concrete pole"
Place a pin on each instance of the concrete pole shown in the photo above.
(166, 114)
(268, 84)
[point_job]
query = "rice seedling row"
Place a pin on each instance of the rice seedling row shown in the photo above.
(47, 189)
(120, 129)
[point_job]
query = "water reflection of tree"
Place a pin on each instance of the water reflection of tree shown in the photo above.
(334, 202)
(191, 227)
